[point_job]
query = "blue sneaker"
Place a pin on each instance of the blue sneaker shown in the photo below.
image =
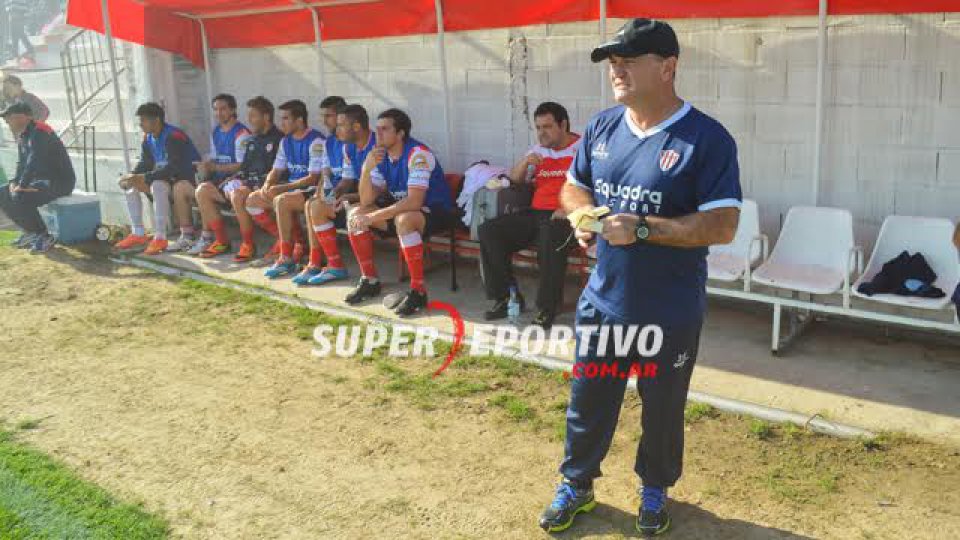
(567, 503)
(652, 519)
(327, 275)
(304, 277)
(280, 269)
(42, 244)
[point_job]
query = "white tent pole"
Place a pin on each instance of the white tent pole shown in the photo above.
(208, 69)
(122, 120)
(442, 54)
(604, 84)
(821, 82)
(319, 39)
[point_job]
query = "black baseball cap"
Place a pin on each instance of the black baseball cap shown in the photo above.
(17, 108)
(639, 37)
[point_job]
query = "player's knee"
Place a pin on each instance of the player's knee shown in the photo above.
(408, 222)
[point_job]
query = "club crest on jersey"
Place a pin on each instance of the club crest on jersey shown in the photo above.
(668, 158)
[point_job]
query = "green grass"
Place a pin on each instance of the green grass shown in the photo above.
(515, 407)
(40, 498)
(6, 237)
(761, 429)
(698, 411)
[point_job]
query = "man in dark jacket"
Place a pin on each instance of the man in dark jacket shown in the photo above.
(44, 173)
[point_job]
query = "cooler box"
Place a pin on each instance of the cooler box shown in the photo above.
(73, 219)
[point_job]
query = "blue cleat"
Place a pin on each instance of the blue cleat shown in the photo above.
(304, 277)
(327, 275)
(652, 519)
(281, 269)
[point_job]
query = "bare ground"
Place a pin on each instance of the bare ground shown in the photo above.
(208, 407)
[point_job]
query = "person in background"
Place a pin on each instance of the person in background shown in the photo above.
(165, 171)
(956, 236)
(543, 224)
(17, 17)
(44, 173)
(13, 92)
(227, 142)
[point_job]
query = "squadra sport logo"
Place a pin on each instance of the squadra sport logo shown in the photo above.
(403, 340)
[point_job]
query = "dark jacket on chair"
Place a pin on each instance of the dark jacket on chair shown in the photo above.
(906, 275)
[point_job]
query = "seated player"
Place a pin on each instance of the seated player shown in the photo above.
(227, 142)
(300, 166)
(258, 155)
(329, 213)
(544, 223)
(402, 192)
(165, 171)
(313, 273)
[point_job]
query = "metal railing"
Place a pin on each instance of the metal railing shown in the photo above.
(85, 63)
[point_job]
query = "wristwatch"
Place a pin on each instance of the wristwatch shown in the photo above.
(643, 230)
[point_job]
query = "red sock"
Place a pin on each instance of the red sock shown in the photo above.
(220, 230)
(362, 244)
(267, 223)
(328, 241)
(414, 256)
(247, 236)
(316, 254)
(286, 250)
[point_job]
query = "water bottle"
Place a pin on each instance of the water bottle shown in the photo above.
(513, 306)
(531, 168)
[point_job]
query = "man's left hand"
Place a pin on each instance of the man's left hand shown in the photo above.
(21, 189)
(956, 236)
(620, 229)
(559, 214)
(360, 222)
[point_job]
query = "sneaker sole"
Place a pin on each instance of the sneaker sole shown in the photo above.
(569, 523)
(657, 532)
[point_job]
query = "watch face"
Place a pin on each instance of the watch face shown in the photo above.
(643, 232)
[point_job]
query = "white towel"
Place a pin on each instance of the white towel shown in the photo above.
(475, 178)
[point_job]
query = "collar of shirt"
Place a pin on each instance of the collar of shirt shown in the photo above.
(641, 134)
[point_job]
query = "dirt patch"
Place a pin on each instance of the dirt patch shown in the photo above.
(208, 406)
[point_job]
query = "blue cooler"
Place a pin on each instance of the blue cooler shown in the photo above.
(73, 219)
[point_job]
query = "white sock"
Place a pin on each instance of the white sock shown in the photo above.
(161, 208)
(135, 210)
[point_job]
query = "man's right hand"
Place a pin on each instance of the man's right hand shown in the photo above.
(374, 158)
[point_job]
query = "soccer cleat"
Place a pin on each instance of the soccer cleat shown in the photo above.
(413, 302)
(215, 249)
(567, 503)
(156, 246)
(132, 242)
(652, 518)
(268, 258)
(183, 243)
(281, 269)
(42, 244)
(327, 275)
(303, 278)
(199, 247)
(545, 319)
(392, 300)
(364, 289)
(246, 253)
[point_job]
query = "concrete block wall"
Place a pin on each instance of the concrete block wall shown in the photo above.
(891, 143)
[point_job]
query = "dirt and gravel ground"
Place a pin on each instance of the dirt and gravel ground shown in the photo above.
(208, 406)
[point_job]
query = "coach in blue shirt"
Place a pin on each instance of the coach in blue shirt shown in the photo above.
(668, 175)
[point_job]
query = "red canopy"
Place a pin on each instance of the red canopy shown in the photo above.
(173, 25)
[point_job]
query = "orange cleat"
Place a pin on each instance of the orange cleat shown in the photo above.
(156, 247)
(132, 242)
(214, 250)
(246, 253)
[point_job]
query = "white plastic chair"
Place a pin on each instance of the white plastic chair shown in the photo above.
(730, 262)
(815, 253)
(931, 237)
